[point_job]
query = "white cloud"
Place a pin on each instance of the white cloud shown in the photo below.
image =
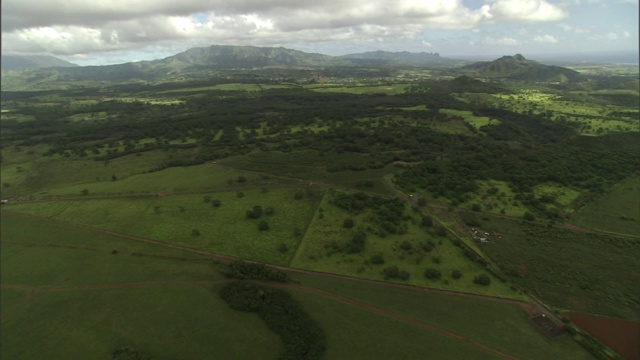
(80, 26)
(545, 39)
(501, 41)
(572, 28)
(526, 10)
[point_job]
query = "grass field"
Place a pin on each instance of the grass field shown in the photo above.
(190, 220)
(360, 89)
(617, 211)
(70, 299)
(169, 308)
(502, 326)
(575, 270)
(476, 121)
(326, 238)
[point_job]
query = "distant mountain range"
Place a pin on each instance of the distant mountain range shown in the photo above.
(396, 58)
(16, 62)
(518, 68)
(218, 57)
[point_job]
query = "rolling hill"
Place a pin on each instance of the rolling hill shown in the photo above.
(518, 68)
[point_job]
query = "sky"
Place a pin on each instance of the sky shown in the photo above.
(101, 32)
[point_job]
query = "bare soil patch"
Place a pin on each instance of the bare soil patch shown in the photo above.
(622, 336)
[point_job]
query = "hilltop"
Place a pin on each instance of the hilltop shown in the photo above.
(16, 62)
(518, 68)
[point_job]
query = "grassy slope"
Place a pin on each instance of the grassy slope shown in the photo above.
(191, 322)
(581, 271)
(501, 326)
(615, 212)
(172, 321)
(173, 219)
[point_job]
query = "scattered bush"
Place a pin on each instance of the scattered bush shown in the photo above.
(432, 274)
(239, 269)
(482, 279)
(456, 274)
(263, 226)
(377, 259)
(393, 272)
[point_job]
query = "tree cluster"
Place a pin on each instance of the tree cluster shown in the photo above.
(302, 337)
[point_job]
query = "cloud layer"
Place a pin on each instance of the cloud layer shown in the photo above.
(68, 27)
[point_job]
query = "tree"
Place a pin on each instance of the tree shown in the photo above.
(263, 226)
(215, 203)
(348, 223)
(85, 192)
(528, 216)
(456, 274)
(482, 279)
(427, 221)
(242, 179)
(432, 274)
(195, 232)
(255, 213)
(377, 259)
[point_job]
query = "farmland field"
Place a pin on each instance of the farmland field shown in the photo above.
(616, 212)
(105, 300)
(571, 269)
(193, 221)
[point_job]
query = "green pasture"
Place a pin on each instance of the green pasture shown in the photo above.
(360, 89)
(191, 221)
(74, 177)
(324, 244)
(573, 270)
(313, 167)
(48, 314)
(563, 196)
(617, 211)
(49, 173)
(590, 117)
(502, 326)
(356, 333)
(451, 126)
(476, 121)
(190, 321)
(226, 87)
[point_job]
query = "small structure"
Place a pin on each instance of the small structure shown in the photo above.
(4, 201)
(548, 326)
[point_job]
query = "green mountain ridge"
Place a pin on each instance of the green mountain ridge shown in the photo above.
(17, 62)
(397, 58)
